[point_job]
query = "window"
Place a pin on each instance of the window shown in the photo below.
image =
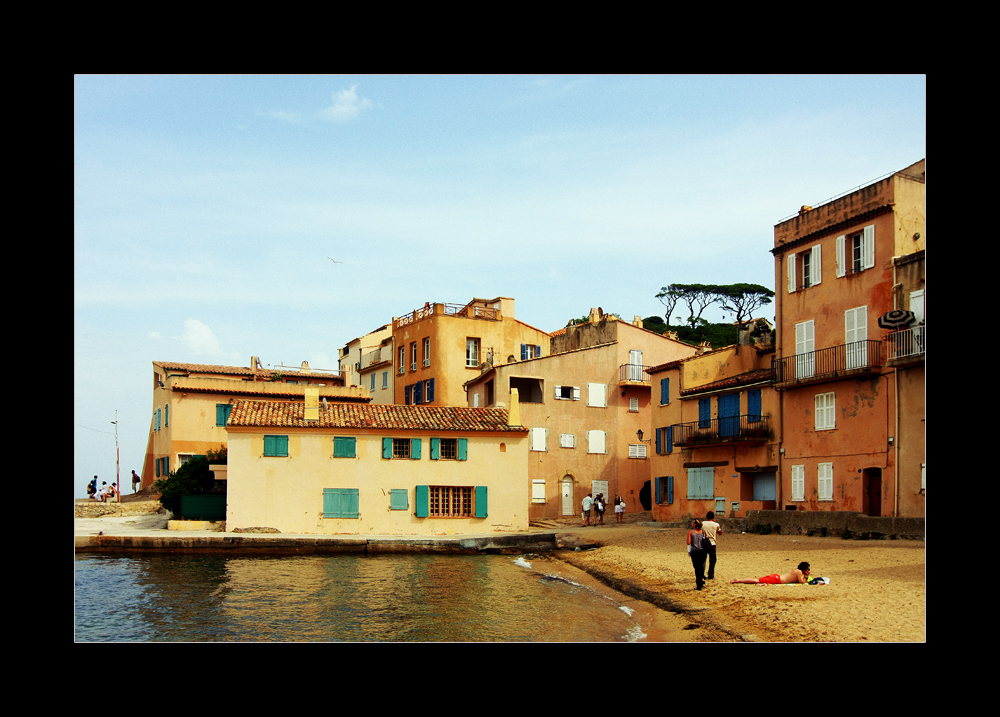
(637, 450)
(597, 395)
(385, 379)
(538, 491)
(805, 345)
(538, 439)
(399, 499)
(567, 440)
(413, 352)
(810, 262)
(664, 391)
(530, 351)
(401, 448)
(427, 352)
(753, 405)
(529, 390)
(472, 353)
(276, 446)
(373, 382)
(449, 449)
(826, 412)
(633, 405)
(402, 359)
(665, 440)
(438, 501)
(825, 481)
(340, 503)
(663, 487)
(704, 413)
(156, 420)
(701, 483)
(855, 335)
(798, 483)
(856, 252)
(595, 442)
(345, 447)
(568, 393)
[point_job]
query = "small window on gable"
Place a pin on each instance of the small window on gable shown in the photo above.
(568, 393)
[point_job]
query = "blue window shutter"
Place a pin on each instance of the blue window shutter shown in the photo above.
(656, 490)
(659, 443)
(387, 448)
(670, 439)
(670, 490)
(664, 391)
(704, 412)
(406, 395)
(430, 390)
(418, 393)
(481, 507)
(753, 405)
(398, 499)
(538, 351)
(524, 352)
(422, 503)
(463, 449)
(415, 448)
(435, 449)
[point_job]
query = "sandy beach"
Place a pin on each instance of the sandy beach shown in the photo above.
(876, 591)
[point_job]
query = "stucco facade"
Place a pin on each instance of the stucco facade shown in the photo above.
(192, 401)
(386, 470)
(584, 407)
(851, 404)
(715, 449)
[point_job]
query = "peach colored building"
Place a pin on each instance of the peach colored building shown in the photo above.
(851, 406)
(376, 469)
(584, 405)
(191, 403)
(441, 346)
(713, 419)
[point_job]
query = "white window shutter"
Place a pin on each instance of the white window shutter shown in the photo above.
(825, 481)
(595, 442)
(798, 483)
(576, 393)
(557, 393)
(595, 395)
(816, 266)
(841, 258)
(868, 247)
(790, 264)
(538, 491)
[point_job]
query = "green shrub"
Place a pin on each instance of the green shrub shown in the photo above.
(193, 477)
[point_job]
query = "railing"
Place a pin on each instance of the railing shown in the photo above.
(748, 427)
(373, 357)
(909, 342)
(857, 357)
(466, 310)
(634, 373)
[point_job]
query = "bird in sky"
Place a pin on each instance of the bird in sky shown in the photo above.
(334, 260)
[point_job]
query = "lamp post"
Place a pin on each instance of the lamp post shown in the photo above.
(118, 471)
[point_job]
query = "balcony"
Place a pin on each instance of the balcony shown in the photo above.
(750, 428)
(469, 311)
(906, 345)
(846, 361)
(632, 374)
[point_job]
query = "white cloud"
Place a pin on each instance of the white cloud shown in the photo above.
(153, 335)
(346, 106)
(202, 341)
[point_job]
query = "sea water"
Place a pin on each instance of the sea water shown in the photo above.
(382, 598)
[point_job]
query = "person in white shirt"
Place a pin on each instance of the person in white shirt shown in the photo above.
(588, 503)
(712, 530)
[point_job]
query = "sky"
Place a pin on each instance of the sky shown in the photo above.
(222, 217)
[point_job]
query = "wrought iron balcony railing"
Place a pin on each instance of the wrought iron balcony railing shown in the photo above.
(907, 343)
(856, 358)
(745, 428)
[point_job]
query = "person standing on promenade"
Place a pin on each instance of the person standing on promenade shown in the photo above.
(712, 530)
(799, 575)
(697, 541)
(588, 503)
(92, 488)
(136, 480)
(619, 509)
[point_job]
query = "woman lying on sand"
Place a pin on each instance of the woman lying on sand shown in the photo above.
(799, 575)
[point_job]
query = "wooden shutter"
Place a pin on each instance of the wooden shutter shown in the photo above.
(399, 499)
(430, 390)
(841, 255)
(481, 502)
(670, 490)
(524, 352)
(435, 449)
(790, 268)
(704, 412)
(344, 447)
(825, 481)
(422, 502)
(538, 351)
(463, 449)
(340, 502)
(798, 483)
(816, 266)
(418, 393)
(753, 405)
(576, 393)
(415, 444)
(387, 448)
(659, 442)
(406, 395)
(664, 391)
(868, 247)
(656, 490)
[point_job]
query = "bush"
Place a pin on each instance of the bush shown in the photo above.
(193, 477)
(219, 457)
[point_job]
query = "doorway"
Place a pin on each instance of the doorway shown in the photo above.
(872, 487)
(568, 504)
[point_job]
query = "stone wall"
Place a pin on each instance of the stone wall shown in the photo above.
(834, 523)
(88, 509)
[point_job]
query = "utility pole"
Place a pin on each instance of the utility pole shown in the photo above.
(118, 470)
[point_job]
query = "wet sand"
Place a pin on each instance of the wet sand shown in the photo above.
(876, 591)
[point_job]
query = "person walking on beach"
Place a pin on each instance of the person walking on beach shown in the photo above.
(712, 530)
(619, 509)
(697, 541)
(588, 503)
(799, 575)
(599, 509)
(136, 480)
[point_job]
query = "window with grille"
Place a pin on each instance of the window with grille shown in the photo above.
(450, 501)
(400, 447)
(449, 448)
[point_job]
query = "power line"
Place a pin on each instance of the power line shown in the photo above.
(93, 429)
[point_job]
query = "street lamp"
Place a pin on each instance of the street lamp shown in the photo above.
(118, 470)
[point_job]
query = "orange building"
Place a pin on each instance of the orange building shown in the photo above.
(851, 406)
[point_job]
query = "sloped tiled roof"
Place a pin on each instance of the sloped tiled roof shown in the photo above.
(204, 368)
(251, 389)
(268, 414)
(743, 379)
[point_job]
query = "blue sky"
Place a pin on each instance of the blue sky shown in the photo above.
(207, 208)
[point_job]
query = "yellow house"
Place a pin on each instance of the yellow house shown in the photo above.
(375, 469)
(585, 405)
(191, 403)
(357, 356)
(440, 347)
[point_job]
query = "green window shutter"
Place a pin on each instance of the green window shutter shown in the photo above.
(481, 503)
(398, 499)
(435, 449)
(344, 447)
(387, 448)
(463, 449)
(415, 448)
(220, 414)
(340, 502)
(276, 445)
(166, 416)
(423, 501)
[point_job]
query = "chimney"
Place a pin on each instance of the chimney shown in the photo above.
(514, 415)
(637, 321)
(804, 208)
(305, 367)
(593, 316)
(703, 347)
(312, 403)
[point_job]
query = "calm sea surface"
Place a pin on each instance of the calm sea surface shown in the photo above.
(390, 598)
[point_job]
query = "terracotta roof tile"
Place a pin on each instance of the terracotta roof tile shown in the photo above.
(387, 417)
(743, 379)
